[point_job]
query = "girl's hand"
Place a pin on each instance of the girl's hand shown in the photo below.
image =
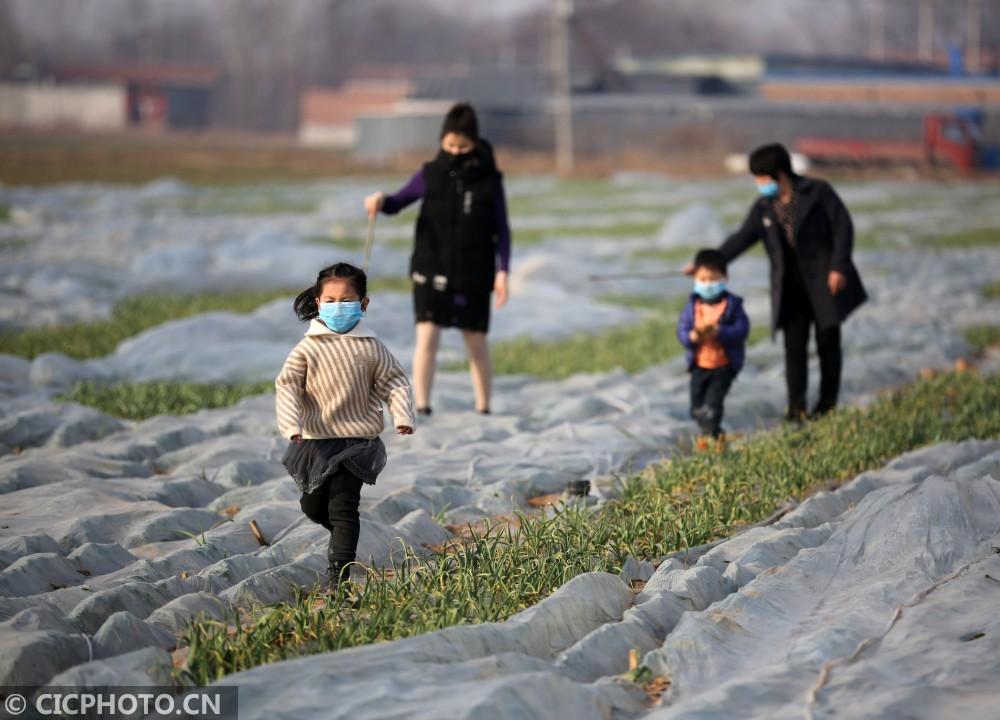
(404, 430)
(694, 336)
(500, 288)
(374, 203)
(297, 439)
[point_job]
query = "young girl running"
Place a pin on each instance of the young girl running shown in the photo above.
(329, 405)
(462, 250)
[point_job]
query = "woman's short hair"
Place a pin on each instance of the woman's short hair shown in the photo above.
(770, 160)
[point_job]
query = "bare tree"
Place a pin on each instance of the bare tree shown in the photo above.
(10, 48)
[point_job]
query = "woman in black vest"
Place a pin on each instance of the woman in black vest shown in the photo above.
(462, 250)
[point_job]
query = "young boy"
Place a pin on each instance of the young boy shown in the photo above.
(714, 328)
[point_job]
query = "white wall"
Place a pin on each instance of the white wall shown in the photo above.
(91, 107)
(338, 136)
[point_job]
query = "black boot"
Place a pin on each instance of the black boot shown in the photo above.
(822, 408)
(337, 575)
(795, 414)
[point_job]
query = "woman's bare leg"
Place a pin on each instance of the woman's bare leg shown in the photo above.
(424, 361)
(480, 367)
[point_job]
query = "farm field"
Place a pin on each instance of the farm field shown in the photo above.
(140, 330)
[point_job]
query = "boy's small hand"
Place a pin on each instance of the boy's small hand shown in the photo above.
(404, 430)
(694, 336)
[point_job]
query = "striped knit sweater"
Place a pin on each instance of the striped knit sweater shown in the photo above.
(333, 386)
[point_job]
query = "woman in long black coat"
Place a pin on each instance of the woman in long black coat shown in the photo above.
(809, 237)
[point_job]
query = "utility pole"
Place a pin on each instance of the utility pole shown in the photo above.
(562, 105)
(926, 31)
(876, 30)
(974, 33)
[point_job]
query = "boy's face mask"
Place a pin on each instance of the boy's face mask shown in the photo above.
(768, 189)
(341, 316)
(709, 290)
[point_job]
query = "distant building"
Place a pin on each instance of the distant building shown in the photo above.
(160, 96)
(387, 110)
(926, 90)
(727, 101)
(328, 116)
(809, 80)
(91, 107)
(113, 97)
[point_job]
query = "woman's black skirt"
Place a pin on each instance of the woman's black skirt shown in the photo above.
(449, 309)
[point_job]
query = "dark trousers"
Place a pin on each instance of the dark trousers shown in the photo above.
(708, 393)
(335, 507)
(796, 320)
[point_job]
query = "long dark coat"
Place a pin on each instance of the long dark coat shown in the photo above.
(824, 239)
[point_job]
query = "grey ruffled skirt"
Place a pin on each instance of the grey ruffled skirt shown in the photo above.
(312, 462)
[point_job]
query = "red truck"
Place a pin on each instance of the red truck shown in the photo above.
(954, 140)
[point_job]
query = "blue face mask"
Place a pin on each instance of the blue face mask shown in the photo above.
(341, 316)
(709, 291)
(769, 189)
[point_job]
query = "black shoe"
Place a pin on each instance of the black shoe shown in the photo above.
(424, 411)
(485, 411)
(795, 415)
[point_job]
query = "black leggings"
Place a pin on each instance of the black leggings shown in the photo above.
(708, 393)
(335, 507)
(796, 320)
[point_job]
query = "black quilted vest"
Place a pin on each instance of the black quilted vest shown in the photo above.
(455, 246)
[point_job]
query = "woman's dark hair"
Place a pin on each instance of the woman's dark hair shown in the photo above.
(770, 160)
(305, 303)
(461, 120)
(711, 259)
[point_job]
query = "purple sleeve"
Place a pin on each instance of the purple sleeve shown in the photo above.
(503, 230)
(406, 195)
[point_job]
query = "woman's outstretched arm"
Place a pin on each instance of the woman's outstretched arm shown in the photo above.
(406, 195)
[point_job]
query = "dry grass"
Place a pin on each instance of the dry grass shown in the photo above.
(42, 158)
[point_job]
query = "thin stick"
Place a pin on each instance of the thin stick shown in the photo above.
(619, 276)
(369, 242)
(258, 534)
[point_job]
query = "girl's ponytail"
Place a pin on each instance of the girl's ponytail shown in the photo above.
(305, 304)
